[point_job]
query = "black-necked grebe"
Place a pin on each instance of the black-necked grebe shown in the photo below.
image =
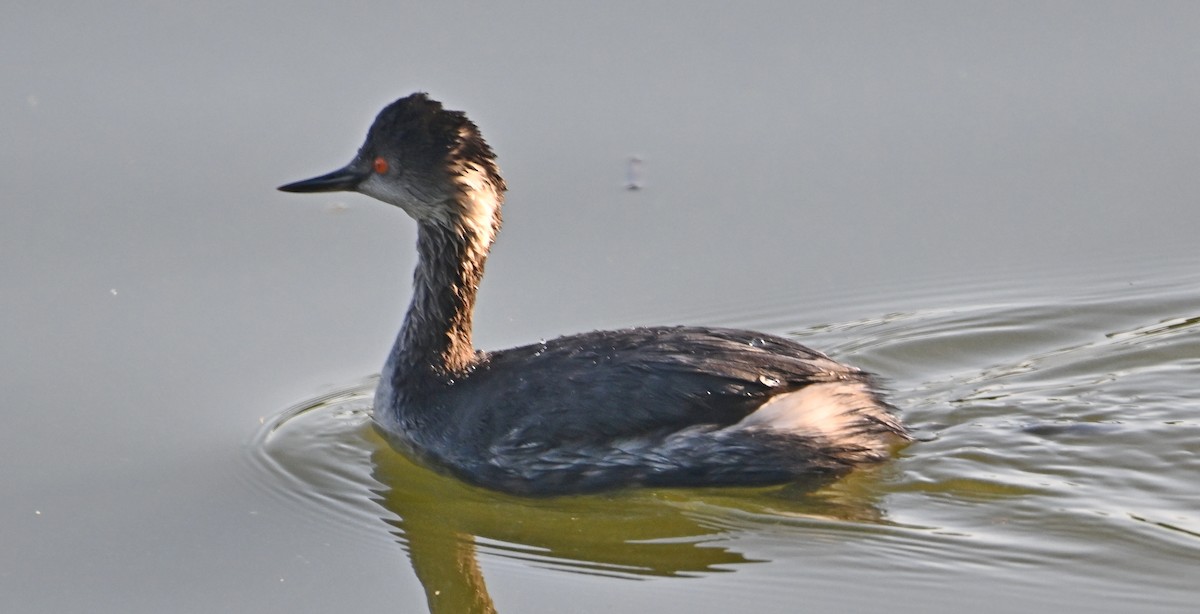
(668, 406)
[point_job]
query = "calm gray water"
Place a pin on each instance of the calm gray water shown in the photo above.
(993, 206)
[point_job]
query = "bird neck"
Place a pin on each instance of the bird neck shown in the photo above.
(434, 344)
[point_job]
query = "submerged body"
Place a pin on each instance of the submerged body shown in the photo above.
(679, 406)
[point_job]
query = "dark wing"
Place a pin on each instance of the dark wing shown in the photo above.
(612, 384)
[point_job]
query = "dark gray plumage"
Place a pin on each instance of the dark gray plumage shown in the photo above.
(648, 406)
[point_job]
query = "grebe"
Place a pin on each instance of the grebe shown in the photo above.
(657, 407)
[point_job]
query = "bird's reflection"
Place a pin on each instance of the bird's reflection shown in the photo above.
(442, 522)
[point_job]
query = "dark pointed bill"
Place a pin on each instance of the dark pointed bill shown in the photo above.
(342, 180)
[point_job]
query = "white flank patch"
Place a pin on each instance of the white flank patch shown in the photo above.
(828, 409)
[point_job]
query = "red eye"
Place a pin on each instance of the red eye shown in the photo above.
(381, 166)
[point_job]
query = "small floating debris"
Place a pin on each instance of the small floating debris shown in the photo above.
(633, 174)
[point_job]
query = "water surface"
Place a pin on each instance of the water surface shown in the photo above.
(992, 206)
